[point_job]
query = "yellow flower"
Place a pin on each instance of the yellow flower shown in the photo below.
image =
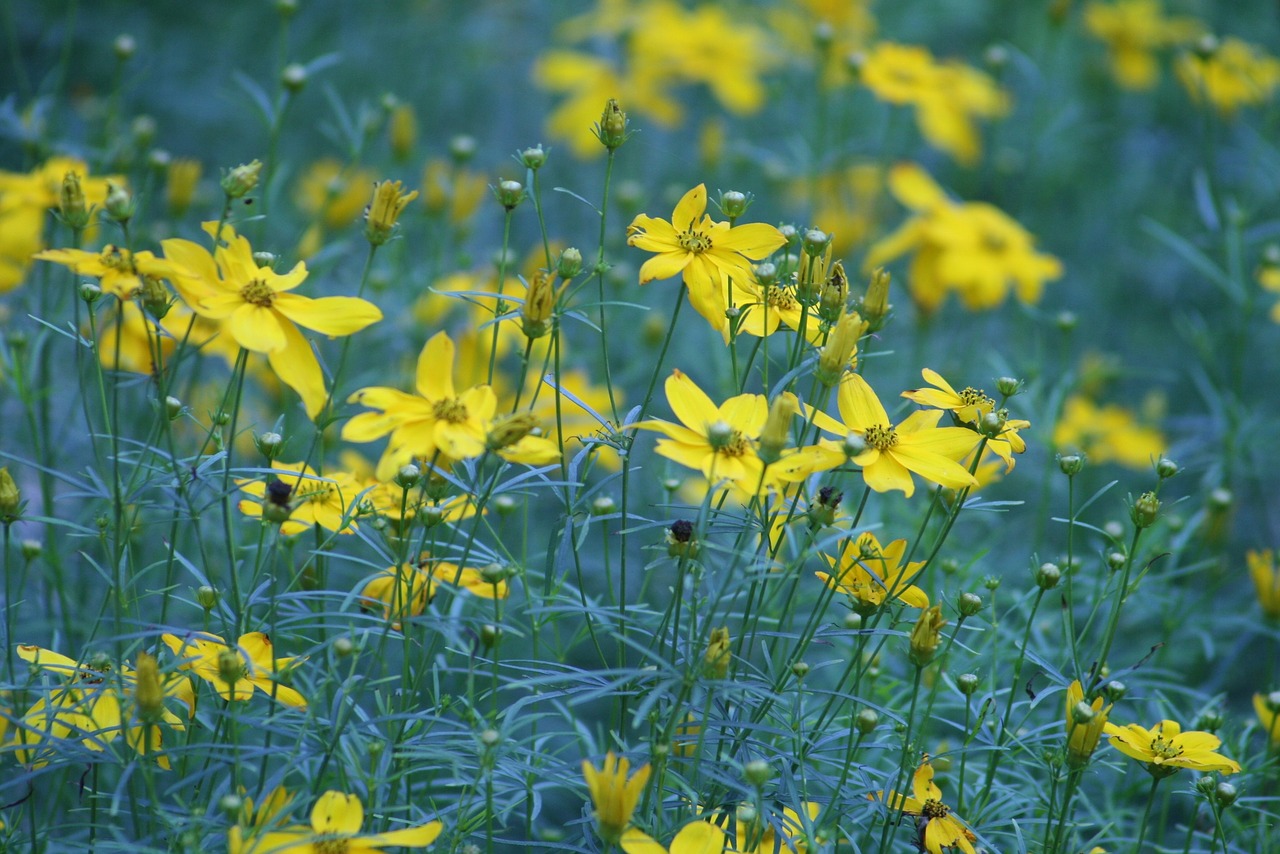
(181, 182)
(306, 499)
(869, 573)
(1165, 748)
(256, 305)
(1234, 74)
(1268, 717)
(948, 96)
(715, 661)
(970, 248)
(406, 592)
(892, 453)
(698, 837)
(613, 795)
(389, 201)
(926, 635)
(1106, 433)
(1082, 736)
(452, 190)
(336, 820)
(706, 252)
(236, 670)
(332, 194)
(969, 406)
(1133, 30)
(753, 838)
(939, 827)
(1266, 580)
(119, 272)
(100, 705)
(437, 420)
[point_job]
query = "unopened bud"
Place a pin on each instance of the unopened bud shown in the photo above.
(1145, 510)
(757, 772)
(119, 204)
(539, 304)
(875, 305)
(776, 433)
(815, 242)
(733, 204)
(603, 506)
(1071, 464)
(766, 274)
(867, 720)
(1047, 576)
(834, 294)
(490, 635)
(612, 130)
(231, 805)
(343, 647)
(207, 597)
(967, 683)
(842, 344)
(926, 635)
(800, 669)
(408, 476)
(172, 407)
(230, 666)
(89, 292)
(1008, 386)
(31, 549)
(124, 46)
(1166, 468)
(238, 182)
(148, 692)
(533, 157)
(715, 661)
(293, 77)
(1082, 713)
(10, 497)
(269, 443)
(462, 148)
(1225, 794)
(509, 194)
(853, 445)
(71, 202)
(569, 263)
(970, 604)
(1114, 691)
(389, 201)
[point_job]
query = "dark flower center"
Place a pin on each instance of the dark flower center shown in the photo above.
(258, 293)
(880, 437)
(934, 809)
(451, 409)
(694, 241)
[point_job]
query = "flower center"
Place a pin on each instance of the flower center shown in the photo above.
(694, 241)
(934, 809)
(113, 258)
(259, 293)
(726, 439)
(1163, 749)
(880, 438)
(331, 845)
(317, 492)
(974, 396)
(781, 300)
(994, 242)
(451, 409)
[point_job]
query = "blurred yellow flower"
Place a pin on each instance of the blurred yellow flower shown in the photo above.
(1107, 433)
(869, 574)
(948, 96)
(1266, 580)
(257, 306)
(182, 179)
(1133, 30)
(971, 248)
(613, 795)
(1268, 717)
(336, 820)
(697, 837)
(1165, 749)
(235, 670)
(452, 191)
(755, 836)
(332, 194)
(119, 272)
(706, 252)
(1231, 75)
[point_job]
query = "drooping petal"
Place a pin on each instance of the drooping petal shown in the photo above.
(932, 467)
(858, 404)
(664, 265)
(700, 837)
(328, 315)
(636, 841)
(257, 328)
(887, 474)
(435, 368)
(755, 240)
(915, 188)
(297, 367)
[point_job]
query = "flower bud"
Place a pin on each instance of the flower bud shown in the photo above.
(1070, 464)
(970, 604)
(1066, 320)
(1145, 510)
(1209, 720)
(834, 294)
(490, 738)
(800, 669)
(462, 148)
(490, 635)
(757, 772)
(539, 303)
(853, 445)
(842, 344)
(238, 182)
(389, 201)
(408, 476)
(612, 129)
(505, 505)
(31, 549)
(776, 433)
(1116, 561)
(172, 407)
(124, 46)
(293, 77)
(815, 242)
(10, 497)
(1166, 468)
(967, 683)
(853, 621)
(720, 434)
(603, 506)
(733, 204)
(509, 194)
(766, 274)
(1047, 576)
(1114, 691)
(875, 305)
(207, 597)
(148, 691)
(268, 443)
(569, 263)
(402, 130)
(1008, 386)
(343, 647)
(232, 805)
(120, 204)
(1082, 714)
(71, 202)
(533, 157)
(1225, 794)
(926, 635)
(680, 539)
(715, 661)
(867, 720)
(230, 666)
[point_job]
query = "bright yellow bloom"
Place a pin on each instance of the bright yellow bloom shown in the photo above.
(706, 252)
(256, 305)
(336, 820)
(613, 795)
(1266, 580)
(893, 453)
(99, 706)
(869, 573)
(235, 670)
(406, 592)
(119, 272)
(758, 837)
(1082, 738)
(698, 837)
(1133, 30)
(1165, 748)
(1107, 433)
(1234, 74)
(971, 248)
(1268, 718)
(437, 420)
(939, 828)
(969, 406)
(948, 96)
(307, 498)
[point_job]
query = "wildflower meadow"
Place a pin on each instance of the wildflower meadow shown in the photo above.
(640, 426)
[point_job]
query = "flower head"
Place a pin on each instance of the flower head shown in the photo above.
(336, 820)
(258, 307)
(1165, 748)
(1266, 580)
(939, 828)
(389, 200)
(235, 670)
(970, 407)
(1232, 75)
(869, 574)
(119, 272)
(1083, 730)
(1133, 30)
(1106, 433)
(613, 794)
(304, 499)
(708, 253)
(405, 591)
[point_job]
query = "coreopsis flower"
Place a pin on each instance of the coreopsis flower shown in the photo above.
(1133, 30)
(926, 635)
(1083, 730)
(948, 96)
(1165, 748)
(708, 253)
(1269, 716)
(235, 670)
(101, 705)
(406, 591)
(698, 837)
(1266, 580)
(755, 836)
(892, 453)
(937, 825)
(119, 272)
(1231, 75)
(969, 407)
(764, 307)
(1106, 433)
(716, 659)
(437, 420)
(336, 820)
(299, 498)
(970, 248)
(614, 795)
(869, 574)
(389, 201)
(258, 307)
